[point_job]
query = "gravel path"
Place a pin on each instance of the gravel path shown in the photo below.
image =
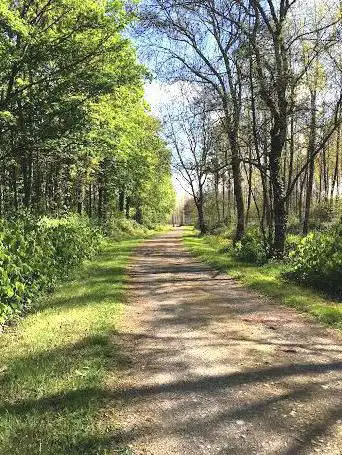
(217, 369)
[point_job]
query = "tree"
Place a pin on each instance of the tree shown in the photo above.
(203, 46)
(74, 128)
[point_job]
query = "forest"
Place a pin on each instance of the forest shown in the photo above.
(255, 124)
(79, 150)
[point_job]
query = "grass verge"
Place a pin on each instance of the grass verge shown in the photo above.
(266, 279)
(54, 365)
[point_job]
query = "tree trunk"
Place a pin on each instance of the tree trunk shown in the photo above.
(122, 201)
(201, 219)
(240, 206)
(27, 179)
(249, 181)
(311, 169)
(217, 203)
(278, 136)
(100, 202)
(335, 181)
(138, 214)
(90, 201)
(292, 152)
(128, 206)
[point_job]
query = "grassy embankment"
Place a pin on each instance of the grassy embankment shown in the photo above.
(265, 279)
(56, 364)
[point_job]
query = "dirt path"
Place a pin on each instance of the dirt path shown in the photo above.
(218, 370)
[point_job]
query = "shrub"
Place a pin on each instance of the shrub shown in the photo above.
(120, 227)
(292, 243)
(321, 219)
(251, 248)
(317, 261)
(218, 229)
(294, 225)
(34, 254)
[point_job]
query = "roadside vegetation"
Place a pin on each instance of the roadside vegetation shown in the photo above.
(252, 131)
(245, 263)
(36, 253)
(57, 363)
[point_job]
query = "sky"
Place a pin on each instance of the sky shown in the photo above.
(154, 93)
(159, 95)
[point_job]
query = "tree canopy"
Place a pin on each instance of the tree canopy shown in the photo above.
(76, 134)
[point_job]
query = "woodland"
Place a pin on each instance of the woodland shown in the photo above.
(255, 124)
(251, 131)
(80, 152)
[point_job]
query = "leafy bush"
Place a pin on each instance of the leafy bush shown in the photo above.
(34, 254)
(218, 228)
(292, 243)
(321, 219)
(251, 248)
(294, 225)
(317, 261)
(120, 227)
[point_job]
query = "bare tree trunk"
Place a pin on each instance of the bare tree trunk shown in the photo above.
(199, 201)
(201, 220)
(311, 168)
(249, 174)
(292, 151)
(217, 202)
(238, 193)
(337, 165)
(278, 136)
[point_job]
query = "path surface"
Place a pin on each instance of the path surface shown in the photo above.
(217, 369)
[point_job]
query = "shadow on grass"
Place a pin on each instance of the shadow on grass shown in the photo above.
(52, 386)
(268, 279)
(64, 422)
(97, 280)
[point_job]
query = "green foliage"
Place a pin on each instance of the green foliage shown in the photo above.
(34, 254)
(136, 160)
(251, 248)
(294, 225)
(317, 261)
(322, 213)
(292, 243)
(119, 228)
(76, 133)
(322, 216)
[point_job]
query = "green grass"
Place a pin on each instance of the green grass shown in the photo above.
(265, 279)
(57, 363)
